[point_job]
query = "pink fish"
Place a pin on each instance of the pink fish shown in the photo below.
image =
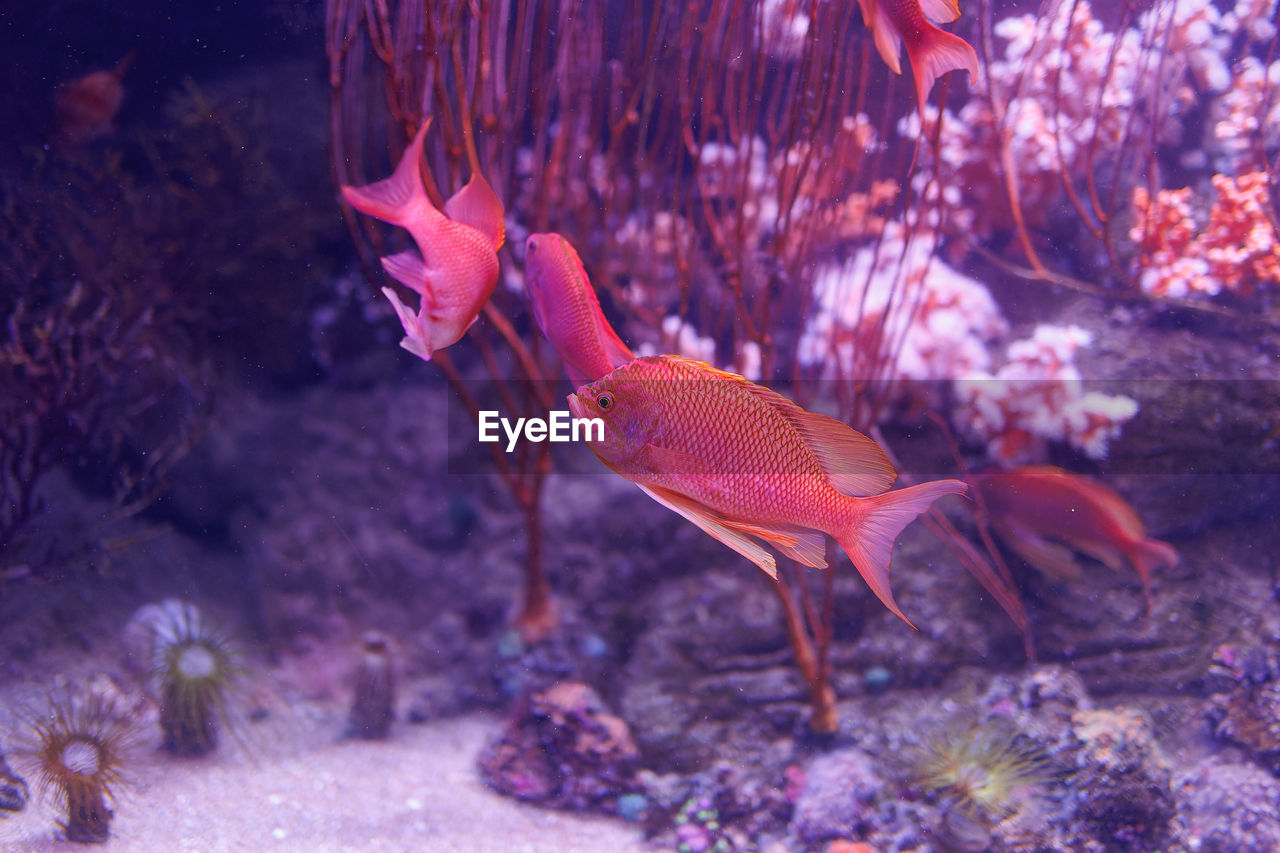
(85, 108)
(1044, 513)
(932, 51)
(458, 266)
(747, 465)
(568, 312)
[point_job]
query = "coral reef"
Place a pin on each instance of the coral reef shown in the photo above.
(563, 748)
(1236, 251)
(896, 303)
(1249, 715)
(836, 795)
(1038, 396)
(1226, 807)
(1124, 781)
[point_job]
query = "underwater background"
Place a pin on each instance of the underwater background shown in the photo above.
(262, 586)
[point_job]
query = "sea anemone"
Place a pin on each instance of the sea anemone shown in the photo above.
(75, 750)
(196, 671)
(374, 699)
(13, 790)
(980, 772)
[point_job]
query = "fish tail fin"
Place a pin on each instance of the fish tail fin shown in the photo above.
(874, 526)
(397, 198)
(1146, 555)
(935, 52)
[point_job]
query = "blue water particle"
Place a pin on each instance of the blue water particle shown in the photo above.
(593, 646)
(510, 645)
(877, 678)
(632, 806)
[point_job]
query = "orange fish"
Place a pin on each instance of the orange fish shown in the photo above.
(568, 312)
(85, 108)
(747, 465)
(458, 265)
(1034, 505)
(931, 51)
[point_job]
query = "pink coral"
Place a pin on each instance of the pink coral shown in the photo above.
(1237, 250)
(1038, 396)
(899, 298)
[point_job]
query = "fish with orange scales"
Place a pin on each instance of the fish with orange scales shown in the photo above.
(1046, 515)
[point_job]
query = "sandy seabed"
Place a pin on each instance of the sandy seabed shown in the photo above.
(418, 791)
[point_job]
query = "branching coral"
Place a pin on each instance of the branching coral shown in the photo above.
(1237, 250)
(897, 304)
(1071, 116)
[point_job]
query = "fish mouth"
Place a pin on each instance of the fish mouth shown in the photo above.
(577, 406)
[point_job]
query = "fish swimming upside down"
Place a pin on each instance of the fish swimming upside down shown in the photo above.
(747, 465)
(458, 266)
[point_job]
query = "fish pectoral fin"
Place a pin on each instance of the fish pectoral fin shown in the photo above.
(805, 546)
(1049, 557)
(714, 526)
(673, 461)
(409, 269)
(1104, 552)
(477, 205)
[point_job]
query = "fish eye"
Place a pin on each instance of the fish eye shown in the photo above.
(605, 402)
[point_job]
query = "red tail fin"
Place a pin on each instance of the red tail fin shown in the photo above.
(935, 52)
(875, 525)
(398, 197)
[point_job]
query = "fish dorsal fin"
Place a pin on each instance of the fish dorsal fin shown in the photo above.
(940, 11)
(799, 543)
(854, 464)
(477, 205)
(714, 527)
(615, 350)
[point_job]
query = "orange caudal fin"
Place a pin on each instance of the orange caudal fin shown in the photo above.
(875, 525)
(399, 198)
(934, 52)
